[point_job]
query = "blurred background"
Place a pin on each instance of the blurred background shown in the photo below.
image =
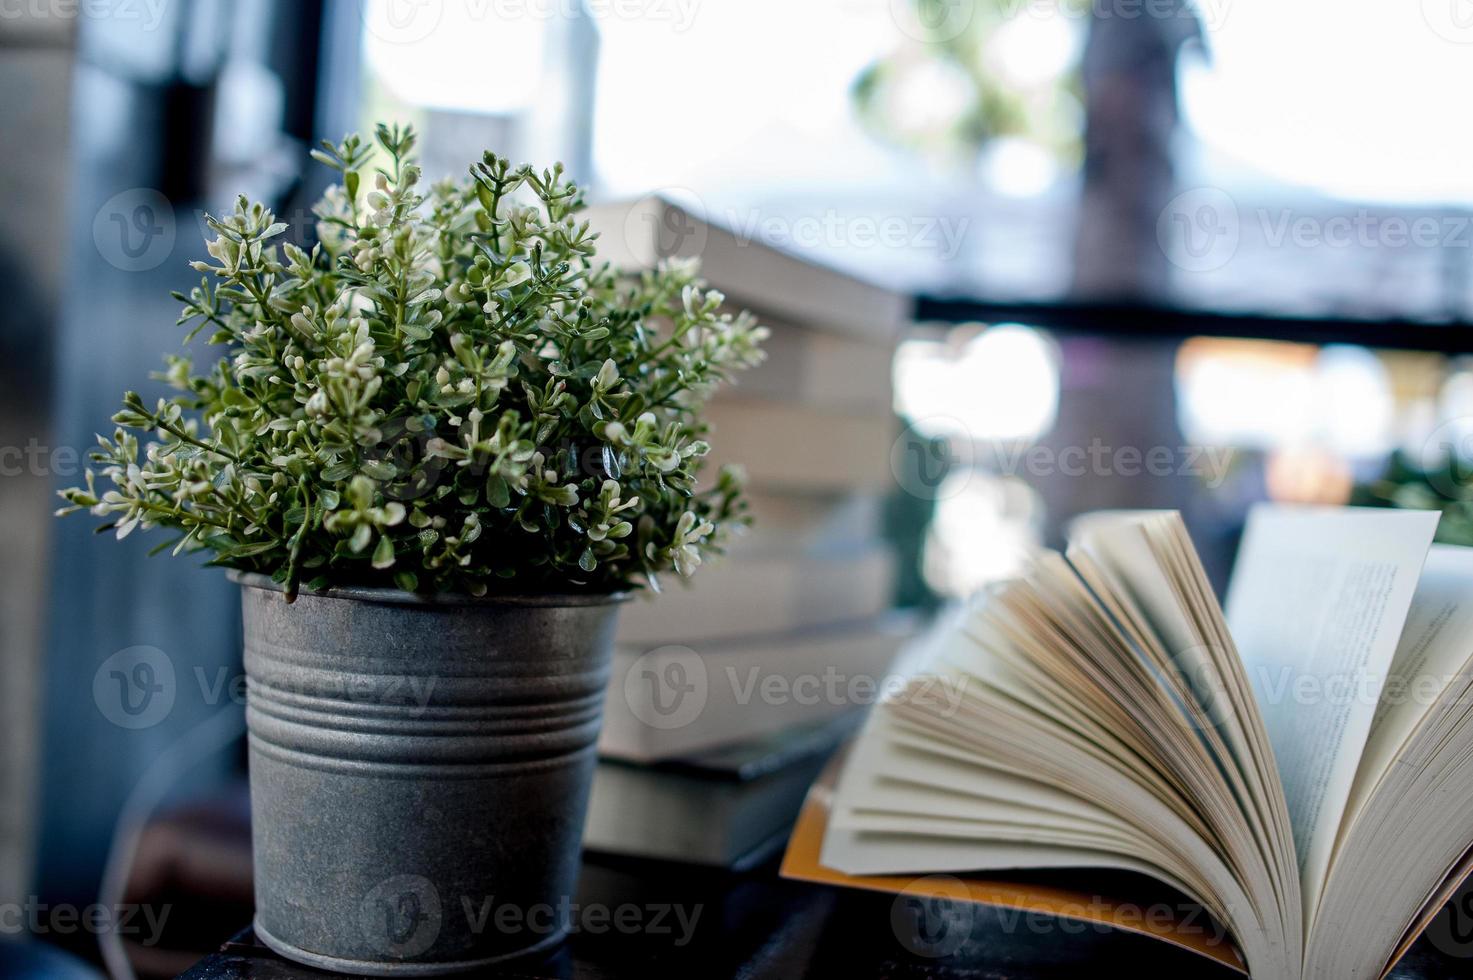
(1155, 253)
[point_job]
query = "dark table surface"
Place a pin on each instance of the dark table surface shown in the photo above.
(757, 925)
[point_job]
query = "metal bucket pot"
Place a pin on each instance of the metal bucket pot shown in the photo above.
(419, 772)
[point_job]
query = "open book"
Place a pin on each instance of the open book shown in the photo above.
(1301, 766)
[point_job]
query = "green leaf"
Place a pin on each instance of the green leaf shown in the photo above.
(383, 555)
(380, 469)
(248, 550)
(309, 446)
(497, 494)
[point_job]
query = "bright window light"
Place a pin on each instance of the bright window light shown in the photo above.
(767, 82)
(457, 56)
(1359, 99)
(1001, 385)
(1272, 396)
(1030, 50)
(985, 530)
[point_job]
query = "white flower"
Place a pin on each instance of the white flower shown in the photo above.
(515, 273)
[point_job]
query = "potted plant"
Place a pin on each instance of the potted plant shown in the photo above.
(444, 442)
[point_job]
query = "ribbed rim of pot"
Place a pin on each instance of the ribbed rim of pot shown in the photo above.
(367, 593)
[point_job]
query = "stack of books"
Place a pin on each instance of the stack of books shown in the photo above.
(737, 683)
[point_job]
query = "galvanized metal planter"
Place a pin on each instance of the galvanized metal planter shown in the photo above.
(419, 771)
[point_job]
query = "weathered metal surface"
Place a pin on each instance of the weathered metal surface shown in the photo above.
(419, 771)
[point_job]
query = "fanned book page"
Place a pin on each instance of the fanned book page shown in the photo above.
(1317, 603)
(1304, 775)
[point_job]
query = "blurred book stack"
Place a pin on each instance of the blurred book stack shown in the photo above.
(768, 652)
